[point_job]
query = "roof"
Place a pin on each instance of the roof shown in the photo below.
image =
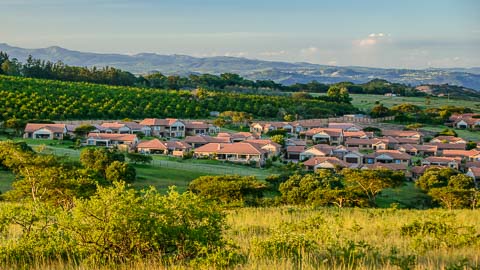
(206, 139)
(461, 153)
(329, 131)
(423, 168)
(395, 154)
(172, 145)
(475, 171)
(235, 135)
(263, 142)
(357, 134)
(152, 144)
(310, 123)
(158, 122)
(400, 133)
(231, 148)
(473, 164)
(318, 160)
(450, 146)
(197, 125)
(295, 142)
(443, 159)
(449, 139)
(356, 141)
(112, 136)
(56, 128)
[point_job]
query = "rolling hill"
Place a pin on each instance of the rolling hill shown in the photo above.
(281, 72)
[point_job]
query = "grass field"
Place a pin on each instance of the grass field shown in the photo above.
(367, 102)
(466, 134)
(6, 180)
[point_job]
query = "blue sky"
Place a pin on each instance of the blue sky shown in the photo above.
(376, 33)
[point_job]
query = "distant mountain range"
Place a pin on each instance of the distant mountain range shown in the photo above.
(282, 72)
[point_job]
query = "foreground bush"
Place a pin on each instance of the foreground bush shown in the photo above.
(115, 225)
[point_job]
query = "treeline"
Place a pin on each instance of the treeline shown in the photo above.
(25, 98)
(35, 68)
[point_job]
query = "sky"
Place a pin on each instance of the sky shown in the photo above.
(373, 33)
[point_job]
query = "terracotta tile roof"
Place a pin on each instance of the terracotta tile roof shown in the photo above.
(206, 139)
(400, 133)
(460, 153)
(443, 159)
(231, 148)
(158, 122)
(330, 131)
(235, 135)
(113, 136)
(197, 125)
(174, 145)
(475, 171)
(356, 141)
(113, 126)
(473, 164)
(389, 139)
(56, 128)
(449, 139)
(449, 146)
(319, 160)
(263, 142)
(357, 134)
(296, 142)
(407, 140)
(152, 144)
(421, 169)
(395, 154)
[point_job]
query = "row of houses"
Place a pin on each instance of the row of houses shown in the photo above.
(165, 128)
(465, 121)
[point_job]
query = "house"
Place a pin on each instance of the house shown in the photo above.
(125, 141)
(193, 128)
(293, 152)
(154, 146)
(366, 144)
(168, 128)
(470, 164)
(319, 150)
(178, 148)
(448, 139)
(236, 137)
(305, 125)
(474, 172)
(48, 131)
(123, 128)
(357, 135)
(388, 156)
(418, 149)
(332, 136)
(265, 127)
(199, 140)
(295, 142)
(354, 159)
(316, 163)
(448, 146)
(273, 148)
(418, 171)
(466, 120)
(345, 126)
(451, 162)
(468, 155)
(239, 152)
(418, 136)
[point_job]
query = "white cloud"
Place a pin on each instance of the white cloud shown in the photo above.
(332, 63)
(372, 39)
(273, 53)
(309, 51)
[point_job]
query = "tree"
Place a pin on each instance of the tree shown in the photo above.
(228, 188)
(83, 130)
(339, 94)
(139, 158)
(280, 139)
(16, 124)
(98, 159)
(301, 95)
(471, 145)
(372, 182)
(120, 171)
(380, 111)
(450, 188)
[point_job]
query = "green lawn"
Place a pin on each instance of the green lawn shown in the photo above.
(367, 102)
(465, 134)
(407, 196)
(162, 178)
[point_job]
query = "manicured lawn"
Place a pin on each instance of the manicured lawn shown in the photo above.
(407, 196)
(466, 134)
(6, 180)
(367, 102)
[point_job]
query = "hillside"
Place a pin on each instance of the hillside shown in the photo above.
(26, 98)
(451, 91)
(281, 72)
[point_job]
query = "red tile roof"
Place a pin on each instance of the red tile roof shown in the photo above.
(332, 160)
(113, 136)
(152, 144)
(231, 148)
